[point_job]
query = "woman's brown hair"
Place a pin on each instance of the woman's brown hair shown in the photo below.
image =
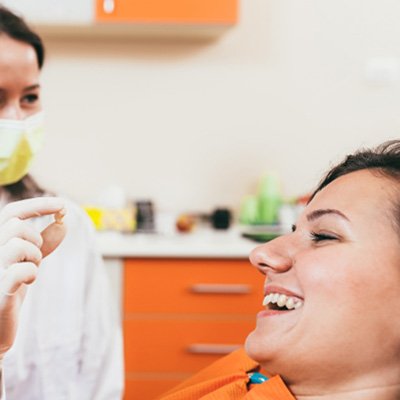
(383, 160)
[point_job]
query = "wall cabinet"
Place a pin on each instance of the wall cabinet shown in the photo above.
(110, 17)
(167, 11)
(179, 315)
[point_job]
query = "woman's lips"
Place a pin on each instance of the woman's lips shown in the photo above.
(278, 300)
(281, 290)
(271, 313)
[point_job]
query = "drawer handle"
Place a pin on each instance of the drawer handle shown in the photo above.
(202, 348)
(220, 288)
(108, 6)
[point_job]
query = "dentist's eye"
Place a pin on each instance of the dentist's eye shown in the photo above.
(320, 237)
(30, 98)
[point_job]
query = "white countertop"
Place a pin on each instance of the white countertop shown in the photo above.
(205, 243)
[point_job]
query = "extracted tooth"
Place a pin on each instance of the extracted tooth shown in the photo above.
(281, 300)
(290, 303)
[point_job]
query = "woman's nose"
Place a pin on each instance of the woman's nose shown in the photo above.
(272, 256)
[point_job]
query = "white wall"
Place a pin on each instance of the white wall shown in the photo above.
(194, 124)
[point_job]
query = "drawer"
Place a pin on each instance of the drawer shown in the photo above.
(192, 286)
(181, 345)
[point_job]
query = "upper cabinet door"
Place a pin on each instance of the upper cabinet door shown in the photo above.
(53, 11)
(206, 12)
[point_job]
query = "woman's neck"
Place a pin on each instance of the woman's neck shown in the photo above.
(378, 381)
(384, 392)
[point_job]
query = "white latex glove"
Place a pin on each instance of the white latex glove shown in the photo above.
(21, 251)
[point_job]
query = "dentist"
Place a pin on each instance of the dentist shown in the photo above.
(68, 344)
(22, 248)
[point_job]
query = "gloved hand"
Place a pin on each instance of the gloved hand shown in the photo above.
(21, 251)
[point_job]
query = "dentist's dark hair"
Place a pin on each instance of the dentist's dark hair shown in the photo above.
(383, 160)
(16, 28)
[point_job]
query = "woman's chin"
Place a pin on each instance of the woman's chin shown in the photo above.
(256, 347)
(269, 353)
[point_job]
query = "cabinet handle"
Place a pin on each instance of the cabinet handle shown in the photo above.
(108, 6)
(211, 348)
(220, 288)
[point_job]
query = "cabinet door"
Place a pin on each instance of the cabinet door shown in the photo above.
(53, 11)
(212, 12)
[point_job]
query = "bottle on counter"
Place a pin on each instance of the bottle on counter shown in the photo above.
(269, 199)
(248, 214)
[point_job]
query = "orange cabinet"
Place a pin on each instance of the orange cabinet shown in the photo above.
(113, 18)
(182, 314)
(222, 12)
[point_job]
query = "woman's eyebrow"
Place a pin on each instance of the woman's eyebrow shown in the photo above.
(312, 216)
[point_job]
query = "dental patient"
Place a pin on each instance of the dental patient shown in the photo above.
(330, 326)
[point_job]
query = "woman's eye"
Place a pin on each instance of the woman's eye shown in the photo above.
(320, 237)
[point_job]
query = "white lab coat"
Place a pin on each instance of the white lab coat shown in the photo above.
(3, 389)
(68, 344)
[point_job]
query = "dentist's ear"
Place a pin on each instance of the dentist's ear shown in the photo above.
(53, 235)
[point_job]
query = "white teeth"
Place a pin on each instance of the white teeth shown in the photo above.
(298, 305)
(267, 299)
(282, 300)
(289, 303)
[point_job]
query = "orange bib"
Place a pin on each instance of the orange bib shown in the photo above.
(227, 379)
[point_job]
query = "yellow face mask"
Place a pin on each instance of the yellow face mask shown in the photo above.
(20, 140)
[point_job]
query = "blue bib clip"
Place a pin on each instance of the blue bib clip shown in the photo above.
(256, 378)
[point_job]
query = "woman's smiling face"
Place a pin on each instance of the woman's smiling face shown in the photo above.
(341, 266)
